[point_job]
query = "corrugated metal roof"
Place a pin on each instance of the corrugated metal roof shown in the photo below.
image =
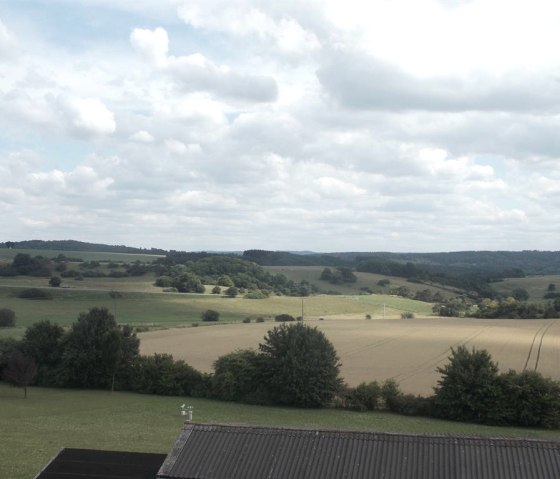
(240, 452)
(93, 464)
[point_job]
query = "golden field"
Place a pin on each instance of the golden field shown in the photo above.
(408, 350)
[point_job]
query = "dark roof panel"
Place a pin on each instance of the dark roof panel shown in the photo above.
(93, 464)
(222, 451)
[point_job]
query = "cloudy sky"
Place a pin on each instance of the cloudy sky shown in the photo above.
(333, 125)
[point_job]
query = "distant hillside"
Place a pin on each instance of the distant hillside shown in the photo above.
(72, 245)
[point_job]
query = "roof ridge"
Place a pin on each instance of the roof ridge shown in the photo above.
(280, 428)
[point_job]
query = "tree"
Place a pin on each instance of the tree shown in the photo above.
(210, 315)
(7, 318)
(20, 371)
(232, 292)
(551, 287)
(216, 290)
(299, 366)
(42, 342)
(520, 294)
(282, 318)
(55, 281)
(468, 389)
(93, 350)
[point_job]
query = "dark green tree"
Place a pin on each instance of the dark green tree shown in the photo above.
(92, 350)
(210, 315)
(232, 292)
(468, 389)
(531, 400)
(20, 371)
(520, 294)
(42, 341)
(299, 366)
(161, 374)
(55, 281)
(7, 318)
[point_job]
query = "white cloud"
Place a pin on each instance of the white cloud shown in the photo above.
(154, 44)
(142, 136)
(242, 19)
(331, 125)
(7, 42)
(87, 116)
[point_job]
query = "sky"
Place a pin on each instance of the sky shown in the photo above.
(333, 125)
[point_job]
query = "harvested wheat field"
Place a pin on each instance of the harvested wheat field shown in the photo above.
(408, 350)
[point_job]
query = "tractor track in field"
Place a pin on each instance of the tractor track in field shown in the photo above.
(542, 332)
(376, 344)
(435, 360)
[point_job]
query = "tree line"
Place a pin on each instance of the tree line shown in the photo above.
(295, 365)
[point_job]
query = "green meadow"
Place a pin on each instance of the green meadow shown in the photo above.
(36, 428)
(142, 304)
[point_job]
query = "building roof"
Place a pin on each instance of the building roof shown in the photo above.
(225, 451)
(92, 464)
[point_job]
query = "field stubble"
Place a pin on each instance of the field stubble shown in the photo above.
(408, 350)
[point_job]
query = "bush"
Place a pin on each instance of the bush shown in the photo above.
(216, 290)
(160, 374)
(55, 282)
(210, 315)
(256, 295)
(531, 400)
(364, 397)
(247, 320)
(34, 293)
(7, 318)
(281, 318)
(236, 377)
(391, 393)
(407, 315)
(260, 319)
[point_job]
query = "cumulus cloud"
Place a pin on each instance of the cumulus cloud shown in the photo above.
(334, 125)
(87, 116)
(153, 44)
(194, 72)
(142, 136)
(7, 42)
(285, 33)
(370, 83)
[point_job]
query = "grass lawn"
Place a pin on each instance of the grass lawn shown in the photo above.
(35, 429)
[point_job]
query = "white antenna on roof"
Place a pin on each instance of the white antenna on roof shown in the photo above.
(187, 411)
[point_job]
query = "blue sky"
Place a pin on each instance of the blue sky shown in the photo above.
(332, 125)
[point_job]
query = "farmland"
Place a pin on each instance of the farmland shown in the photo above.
(407, 350)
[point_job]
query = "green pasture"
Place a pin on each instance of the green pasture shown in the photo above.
(142, 304)
(36, 428)
(536, 286)
(8, 254)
